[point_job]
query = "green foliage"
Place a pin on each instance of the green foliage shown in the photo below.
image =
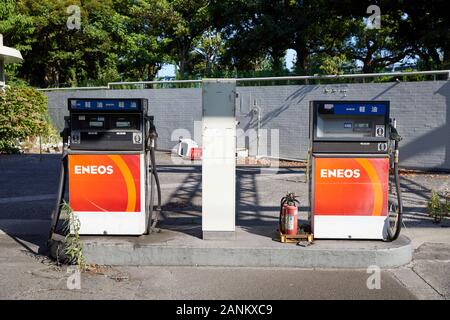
(179, 25)
(324, 64)
(23, 114)
(122, 40)
(438, 208)
(72, 244)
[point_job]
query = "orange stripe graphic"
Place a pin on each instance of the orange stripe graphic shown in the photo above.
(377, 190)
(129, 181)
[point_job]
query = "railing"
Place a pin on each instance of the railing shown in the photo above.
(363, 76)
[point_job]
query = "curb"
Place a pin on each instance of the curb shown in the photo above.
(323, 254)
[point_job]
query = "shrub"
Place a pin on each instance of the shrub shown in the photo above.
(436, 208)
(23, 114)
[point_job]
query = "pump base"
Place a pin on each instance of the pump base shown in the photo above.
(255, 246)
(219, 235)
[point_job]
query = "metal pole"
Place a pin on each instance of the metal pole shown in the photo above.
(306, 79)
(2, 65)
(40, 148)
(2, 72)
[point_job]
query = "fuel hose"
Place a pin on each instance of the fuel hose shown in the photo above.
(154, 178)
(393, 235)
(59, 195)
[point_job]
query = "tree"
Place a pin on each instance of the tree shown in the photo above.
(179, 24)
(374, 48)
(256, 29)
(207, 51)
(113, 43)
(132, 39)
(53, 54)
(23, 114)
(253, 30)
(425, 26)
(140, 52)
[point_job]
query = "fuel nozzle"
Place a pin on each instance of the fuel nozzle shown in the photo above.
(151, 133)
(64, 134)
(394, 135)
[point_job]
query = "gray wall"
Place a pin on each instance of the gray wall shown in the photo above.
(422, 110)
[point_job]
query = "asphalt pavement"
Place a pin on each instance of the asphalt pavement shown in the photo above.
(27, 193)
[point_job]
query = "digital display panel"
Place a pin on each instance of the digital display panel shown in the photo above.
(96, 124)
(123, 124)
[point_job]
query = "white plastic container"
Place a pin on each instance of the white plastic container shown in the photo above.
(185, 146)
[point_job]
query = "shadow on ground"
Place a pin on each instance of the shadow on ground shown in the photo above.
(257, 197)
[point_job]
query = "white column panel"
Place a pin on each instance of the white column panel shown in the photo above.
(218, 159)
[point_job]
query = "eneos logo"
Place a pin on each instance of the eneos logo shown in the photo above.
(340, 173)
(93, 169)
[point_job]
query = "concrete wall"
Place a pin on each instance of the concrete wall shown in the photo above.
(422, 110)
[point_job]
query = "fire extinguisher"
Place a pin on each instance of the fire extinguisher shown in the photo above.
(291, 220)
(288, 219)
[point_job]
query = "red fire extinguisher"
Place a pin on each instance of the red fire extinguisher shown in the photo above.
(291, 219)
(288, 220)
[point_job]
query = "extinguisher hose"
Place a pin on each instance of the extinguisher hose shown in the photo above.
(282, 202)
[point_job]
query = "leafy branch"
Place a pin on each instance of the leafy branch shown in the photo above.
(438, 208)
(73, 246)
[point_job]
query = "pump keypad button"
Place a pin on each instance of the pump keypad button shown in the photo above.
(379, 131)
(382, 146)
(137, 138)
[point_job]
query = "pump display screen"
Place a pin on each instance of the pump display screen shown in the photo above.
(87, 122)
(362, 127)
(123, 124)
(344, 120)
(106, 122)
(96, 124)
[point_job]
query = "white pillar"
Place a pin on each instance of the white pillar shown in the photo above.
(218, 158)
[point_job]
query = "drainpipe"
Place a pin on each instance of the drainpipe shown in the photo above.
(257, 110)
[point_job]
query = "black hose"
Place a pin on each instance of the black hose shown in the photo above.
(158, 187)
(151, 206)
(394, 236)
(148, 188)
(59, 196)
(152, 136)
(282, 202)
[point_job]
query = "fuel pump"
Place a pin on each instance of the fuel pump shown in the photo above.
(108, 163)
(353, 151)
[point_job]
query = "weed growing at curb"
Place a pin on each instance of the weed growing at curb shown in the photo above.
(438, 208)
(72, 244)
